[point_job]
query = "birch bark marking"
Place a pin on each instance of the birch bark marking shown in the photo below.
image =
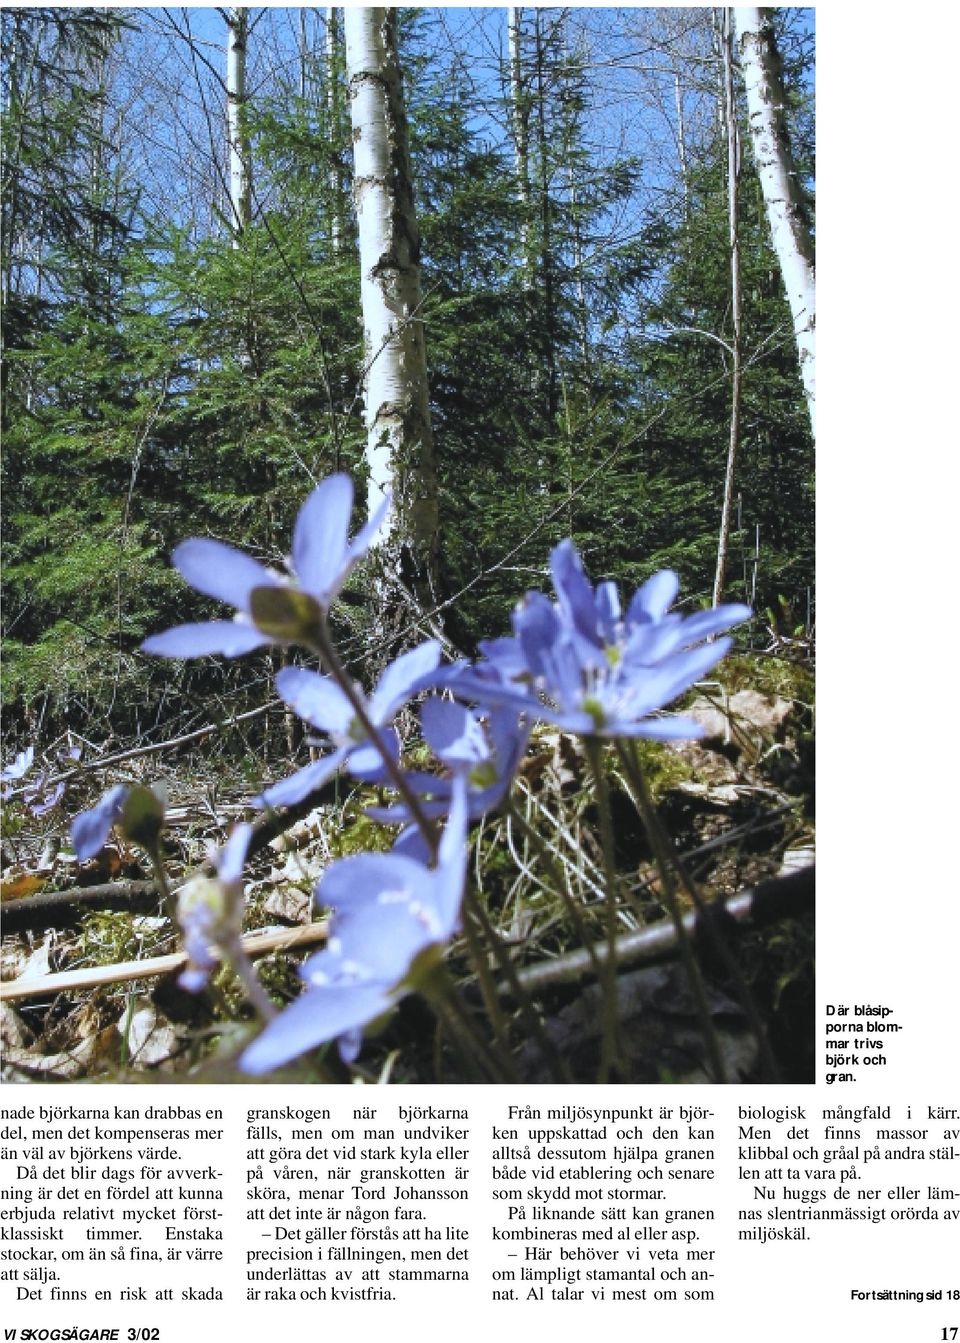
(766, 100)
(399, 453)
(237, 19)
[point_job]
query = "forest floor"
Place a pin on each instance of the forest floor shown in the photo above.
(90, 962)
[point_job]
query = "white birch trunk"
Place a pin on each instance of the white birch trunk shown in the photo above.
(781, 191)
(682, 145)
(399, 453)
(237, 19)
(736, 305)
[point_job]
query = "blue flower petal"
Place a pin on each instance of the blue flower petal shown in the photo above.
(537, 627)
(232, 638)
(360, 879)
(316, 699)
(221, 571)
(19, 766)
(509, 736)
(505, 654)
(410, 843)
(688, 667)
(715, 621)
(573, 588)
(320, 537)
(303, 783)
(383, 935)
(452, 732)
(402, 679)
(469, 684)
(319, 1015)
(366, 761)
(652, 600)
(350, 1043)
(46, 801)
(650, 643)
(453, 852)
(90, 829)
(608, 612)
(233, 855)
(675, 728)
(360, 544)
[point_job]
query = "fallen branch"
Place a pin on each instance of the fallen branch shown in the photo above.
(770, 901)
(35, 911)
(254, 944)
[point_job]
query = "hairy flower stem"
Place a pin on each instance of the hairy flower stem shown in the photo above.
(160, 875)
(324, 648)
(665, 861)
(608, 1051)
(242, 966)
(475, 909)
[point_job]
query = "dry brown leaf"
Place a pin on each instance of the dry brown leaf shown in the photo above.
(13, 1033)
(289, 904)
(150, 1037)
(15, 884)
(303, 832)
(69, 1064)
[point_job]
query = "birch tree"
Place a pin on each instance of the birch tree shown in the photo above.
(399, 451)
(783, 198)
(731, 127)
(236, 18)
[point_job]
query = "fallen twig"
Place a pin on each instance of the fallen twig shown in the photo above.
(88, 766)
(254, 944)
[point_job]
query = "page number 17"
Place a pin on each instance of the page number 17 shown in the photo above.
(950, 1332)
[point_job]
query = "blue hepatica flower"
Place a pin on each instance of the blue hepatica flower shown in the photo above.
(322, 703)
(90, 830)
(17, 768)
(392, 916)
(271, 608)
(485, 746)
(583, 663)
(210, 910)
(38, 796)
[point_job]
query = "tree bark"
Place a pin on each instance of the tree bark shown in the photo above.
(237, 19)
(682, 145)
(783, 198)
(399, 453)
(736, 306)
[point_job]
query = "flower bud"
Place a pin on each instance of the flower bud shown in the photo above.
(285, 614)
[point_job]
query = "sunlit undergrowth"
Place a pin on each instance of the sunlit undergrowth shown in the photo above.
(512, 870)
(539, 872)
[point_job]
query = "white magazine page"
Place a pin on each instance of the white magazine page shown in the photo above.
(164, 1210)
